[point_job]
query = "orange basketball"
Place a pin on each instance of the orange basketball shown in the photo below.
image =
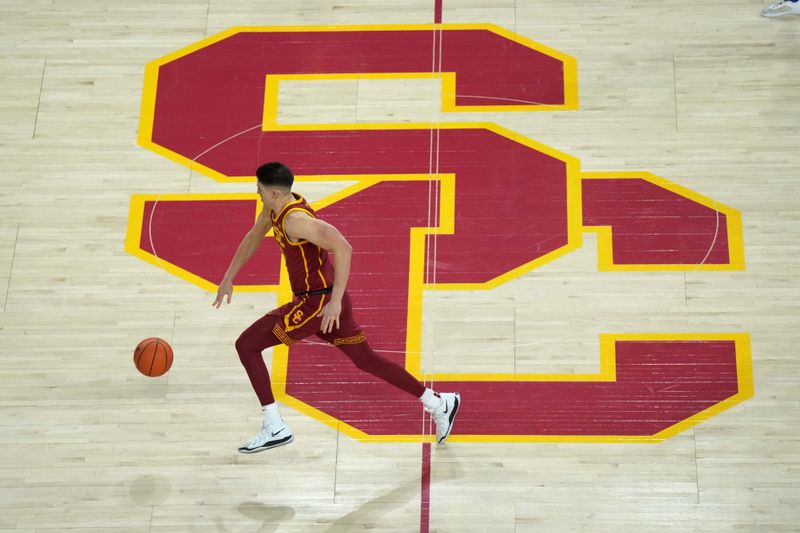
(153, 356)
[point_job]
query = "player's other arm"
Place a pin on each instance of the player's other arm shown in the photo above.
(301, 226)
(252, 240)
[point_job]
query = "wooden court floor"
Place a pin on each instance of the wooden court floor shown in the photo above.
(702, 95)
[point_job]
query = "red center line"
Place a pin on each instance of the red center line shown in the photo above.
(425, 498)
(425, 502)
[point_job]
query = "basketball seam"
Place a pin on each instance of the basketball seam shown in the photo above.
(140, 352)
(155, 353)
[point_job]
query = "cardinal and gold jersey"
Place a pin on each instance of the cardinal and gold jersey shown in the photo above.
(309, 267)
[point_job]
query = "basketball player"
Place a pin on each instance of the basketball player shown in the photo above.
(321, 306)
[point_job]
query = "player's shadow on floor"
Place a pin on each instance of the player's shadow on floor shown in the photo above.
(271, 516)
(370, 514)
(150, 490)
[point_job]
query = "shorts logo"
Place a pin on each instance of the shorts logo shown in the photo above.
(402, 200)
(297, 317)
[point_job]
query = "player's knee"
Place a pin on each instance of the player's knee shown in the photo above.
(250, 344)
(243, 347)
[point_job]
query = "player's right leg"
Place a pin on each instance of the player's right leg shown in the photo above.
(254, 340)
(443, 407)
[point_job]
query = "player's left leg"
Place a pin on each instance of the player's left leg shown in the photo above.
(351, 340)
(287, 324)
(255, 339)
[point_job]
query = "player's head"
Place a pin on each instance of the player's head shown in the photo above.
(274, 183)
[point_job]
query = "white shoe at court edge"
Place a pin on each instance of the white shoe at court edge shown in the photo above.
(445, 415)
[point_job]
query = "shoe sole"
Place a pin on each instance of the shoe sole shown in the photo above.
(269, 445)
(453, 414)
(776, 15)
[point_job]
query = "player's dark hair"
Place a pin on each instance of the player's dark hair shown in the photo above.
(275, 175)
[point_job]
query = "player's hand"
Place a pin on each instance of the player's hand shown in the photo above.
(330, 316)
(225, 289)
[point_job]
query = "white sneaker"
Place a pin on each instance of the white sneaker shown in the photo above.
(269, 437)
(445, 414)
(781, 8)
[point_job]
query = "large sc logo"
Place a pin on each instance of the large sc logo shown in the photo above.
(414, 188)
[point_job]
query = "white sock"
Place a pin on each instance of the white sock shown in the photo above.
(430, 400)
(271, 415)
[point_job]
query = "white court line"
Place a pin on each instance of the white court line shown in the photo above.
(194, 160)
(714, 242)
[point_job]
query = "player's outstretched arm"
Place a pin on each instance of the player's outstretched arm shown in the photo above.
(301, 226)
(252, 240)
